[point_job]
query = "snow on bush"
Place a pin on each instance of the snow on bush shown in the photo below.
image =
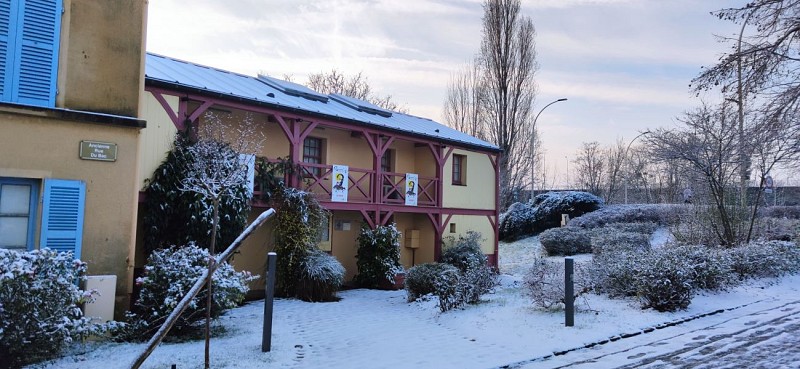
(524, 219)
(169, 275)
(544, 283)
(664, 281)
(320, 278)
(378, 255)
(661, 214)
(464, 252)
(608, 240)
(786, 212)
(765, 259)
(615, 272)
(40, 305)
(421, 279)
(566, 241)
(711, 268)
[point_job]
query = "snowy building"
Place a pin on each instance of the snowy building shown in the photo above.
(429, 179)
(71, 79)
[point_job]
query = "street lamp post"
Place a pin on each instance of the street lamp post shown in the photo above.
(626, 158)
(533, 144)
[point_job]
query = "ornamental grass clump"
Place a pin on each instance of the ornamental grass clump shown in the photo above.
(378, 256)
(40, 305)
(320, 278)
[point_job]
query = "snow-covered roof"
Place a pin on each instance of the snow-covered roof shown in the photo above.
(283, 94)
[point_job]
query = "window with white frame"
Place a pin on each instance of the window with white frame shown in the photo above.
(18, 199)
(312, 153)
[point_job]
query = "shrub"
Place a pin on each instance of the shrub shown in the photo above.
(447, 289)
(787, 212)
(378, 255)
(465, 252)
(566, 241)
(517, 222)
(610, 241)
(39, 305)
(544, 283)
(320, 278)
(298, 226)
(169, 275)
(664, 282)
(525, 219)
(765, 259)
(660, 214)
(645, 228)
(710, 267)
(616, 273)
(475, 282)
(421, 279)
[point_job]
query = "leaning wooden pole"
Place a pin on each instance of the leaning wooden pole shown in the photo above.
(162, 332)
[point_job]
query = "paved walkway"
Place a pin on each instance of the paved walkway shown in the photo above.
(763, 334)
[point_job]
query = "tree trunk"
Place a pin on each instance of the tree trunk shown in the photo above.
(211, 267)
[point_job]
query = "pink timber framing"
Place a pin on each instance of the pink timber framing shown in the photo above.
(377, 210)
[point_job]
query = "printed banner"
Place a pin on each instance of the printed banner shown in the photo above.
(412, 184)
(339, 183)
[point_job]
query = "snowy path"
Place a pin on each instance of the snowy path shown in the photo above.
(760, 335)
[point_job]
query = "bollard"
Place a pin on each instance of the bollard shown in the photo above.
(569, 292)
(266, 338)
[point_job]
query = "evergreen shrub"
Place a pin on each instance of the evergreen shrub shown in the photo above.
(40, 305)
(566, 241)
(378, 256)
(765, 259)
(168, 277)
(421, 279)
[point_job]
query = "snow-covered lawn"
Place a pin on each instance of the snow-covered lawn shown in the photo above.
(379, 329)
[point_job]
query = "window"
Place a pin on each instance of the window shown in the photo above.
(387, 167)
(386, 162)
(312, 153)
(459, 170)
(63, 203)
(18, 199)
(29, 39)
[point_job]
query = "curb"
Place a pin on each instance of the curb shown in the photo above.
(625, 335)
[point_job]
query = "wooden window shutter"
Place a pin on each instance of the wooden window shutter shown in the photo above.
(5, 44)
(36, 47)
(64, 202)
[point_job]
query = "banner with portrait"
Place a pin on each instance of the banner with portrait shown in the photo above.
(412, 186)
(339, 183)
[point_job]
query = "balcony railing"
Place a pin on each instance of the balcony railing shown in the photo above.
(316, 178)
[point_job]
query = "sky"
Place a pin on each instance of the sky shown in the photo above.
(624, 65)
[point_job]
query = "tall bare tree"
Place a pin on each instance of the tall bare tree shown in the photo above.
(356, 85)
(615, 157)
(493, 98)
(463, 108)
(590, 168)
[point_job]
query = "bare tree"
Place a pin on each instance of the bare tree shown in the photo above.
(709, 143)
(590, 167)
(615, 165)
(508, 61)
(214, 170)
(356, 86)
(463, 106)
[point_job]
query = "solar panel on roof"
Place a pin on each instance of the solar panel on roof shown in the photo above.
(360, 105)
(293, 88)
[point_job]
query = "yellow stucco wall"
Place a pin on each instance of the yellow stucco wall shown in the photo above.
(479, 193)
(101, 66)
(157, 138)
(477, 223)
(39, 148)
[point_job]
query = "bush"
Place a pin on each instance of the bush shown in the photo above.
(616, 273)
(39, 305)
(566, 241)
(787, 212)
(611, 241)
(169, 275)
(320, 278)
(517, 222)
(421, 279)
(544, 283)
(710, 267)
(660, 214)
(523, 219)
(298, 226)
(378, 256)
(465, 252)
(447, 289)
(645, 228)
(765, 259)
(664, 282)
(475, 282)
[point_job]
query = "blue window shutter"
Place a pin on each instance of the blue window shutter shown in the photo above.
(6, 35)
(37, 50)
(64, 202)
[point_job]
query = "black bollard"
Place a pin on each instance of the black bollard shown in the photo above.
(266, 338)
(569, 292)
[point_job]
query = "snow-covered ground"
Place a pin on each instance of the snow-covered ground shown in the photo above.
(379, 329)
